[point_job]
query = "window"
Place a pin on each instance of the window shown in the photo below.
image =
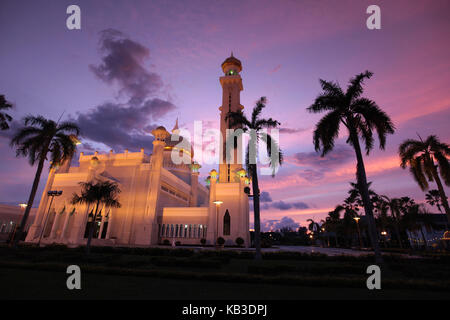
(88, 224)
(176, 231)
(226, 223)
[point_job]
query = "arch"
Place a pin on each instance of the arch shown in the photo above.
(226, 223)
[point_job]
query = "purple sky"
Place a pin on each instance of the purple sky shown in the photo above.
(172, 51)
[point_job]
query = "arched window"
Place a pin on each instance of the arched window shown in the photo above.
(162, 230)
(226, 223)
(176, 231)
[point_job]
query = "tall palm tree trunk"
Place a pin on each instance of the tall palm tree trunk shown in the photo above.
(364, 190)
(397, 231)
(91, 229)
(257, 218)
(34, 188)
(442, 193)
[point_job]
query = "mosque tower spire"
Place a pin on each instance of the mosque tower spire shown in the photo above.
(231, 90)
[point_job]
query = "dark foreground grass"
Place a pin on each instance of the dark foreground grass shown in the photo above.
(188, 274)
(38, 284)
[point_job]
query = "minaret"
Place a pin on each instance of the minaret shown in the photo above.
(231, 87)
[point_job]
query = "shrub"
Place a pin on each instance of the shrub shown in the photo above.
(186, 262)
(166, 242)
(265, 243)
(220, 241)
(203, 241)
(178, 243)
(239, 241)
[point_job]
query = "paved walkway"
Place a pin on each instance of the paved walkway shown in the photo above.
(303, 249)
(327, 251)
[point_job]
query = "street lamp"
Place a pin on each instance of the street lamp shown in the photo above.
(359, 232)
(22, 206)
(52, 194)
(217, 203)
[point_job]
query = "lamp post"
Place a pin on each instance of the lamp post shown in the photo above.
(23, 206)
(51, 194)
(217, 203)
(359, 232)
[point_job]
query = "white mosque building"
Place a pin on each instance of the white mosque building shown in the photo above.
(159, 200)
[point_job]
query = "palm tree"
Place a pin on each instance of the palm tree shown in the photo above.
(414, 215)
(433, 198)
(255, 127)
(4, 117)
(314, 227)
(97, 193)
(421, 156)
(394, 206)
(35, 141)
(360, 116)
(333, 222)
(354, 196)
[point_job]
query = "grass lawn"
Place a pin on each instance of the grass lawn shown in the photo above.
(34, 284)
(40, 273)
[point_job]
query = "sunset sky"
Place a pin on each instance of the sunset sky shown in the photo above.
(138, 64)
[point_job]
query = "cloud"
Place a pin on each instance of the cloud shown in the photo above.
(315, 166)
(276, 69)
(121, 127)
(281, 205)
(338, 156)
(274, 225)
(265, 197)
(124, 125)
(291, 130)
(123, 62)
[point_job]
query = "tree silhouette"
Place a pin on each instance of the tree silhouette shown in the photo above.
(254, 127)
(4, 117)
(423, 159)
(97, 193)
(361, 117)
(39, 138)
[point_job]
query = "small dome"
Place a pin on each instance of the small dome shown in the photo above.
(232, 61)
(170, 145)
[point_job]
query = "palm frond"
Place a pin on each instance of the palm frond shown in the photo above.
(327, 131)
(273, 151)
(444, 167)
(355, 88)
(238, 118)
(374, 118)
(260, 104)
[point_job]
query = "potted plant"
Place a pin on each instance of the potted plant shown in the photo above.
(239, 241)
(220, 241)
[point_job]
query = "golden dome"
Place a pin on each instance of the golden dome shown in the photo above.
(232, 61)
